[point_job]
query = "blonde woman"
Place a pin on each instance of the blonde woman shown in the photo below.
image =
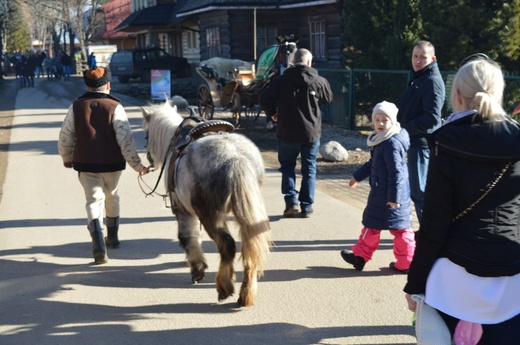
(467, 259)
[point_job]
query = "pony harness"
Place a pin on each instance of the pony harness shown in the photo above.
(191, 129)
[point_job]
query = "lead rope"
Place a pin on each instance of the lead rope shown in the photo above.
(140, 178)
(141, 182)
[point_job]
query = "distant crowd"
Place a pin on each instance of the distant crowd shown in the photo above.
(29, 65)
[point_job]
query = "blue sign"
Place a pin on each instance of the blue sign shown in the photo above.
(161, 84)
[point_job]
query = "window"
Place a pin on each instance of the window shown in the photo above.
(213, 41)
(163, 41)
(317, 38)
(265, 36)
(140, 57)
(161, 54)
(192, 39)
(140, 4)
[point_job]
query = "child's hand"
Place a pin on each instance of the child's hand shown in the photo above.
(393, 204)
(353, 183)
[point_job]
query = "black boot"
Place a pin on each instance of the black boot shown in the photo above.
(98, 245)
(112, 240)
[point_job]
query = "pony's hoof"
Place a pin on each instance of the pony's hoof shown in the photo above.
(196, 278)
(225, 290)
(245, 302)
(242, 303)
(198, 273)
(222, 296)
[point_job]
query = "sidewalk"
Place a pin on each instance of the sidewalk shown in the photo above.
(50, 294)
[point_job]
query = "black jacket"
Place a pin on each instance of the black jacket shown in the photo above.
(467, 155)
(295, 96)
(420, 105)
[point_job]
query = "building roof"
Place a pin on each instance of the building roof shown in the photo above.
(200, 6)
(116, 12)
(175, 13)
(156, 15)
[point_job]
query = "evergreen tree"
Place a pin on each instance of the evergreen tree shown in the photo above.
(490, 27)
(407, 31)
(509, 36)
(366, 26)
(16, 30)
(380, 34)
(444, 25)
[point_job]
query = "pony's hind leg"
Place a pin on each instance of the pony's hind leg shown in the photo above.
(256, 241)
(189, 237)
(226, 272)
(249, 287)
(226, 246)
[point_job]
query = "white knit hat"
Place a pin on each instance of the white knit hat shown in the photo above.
(386, 108)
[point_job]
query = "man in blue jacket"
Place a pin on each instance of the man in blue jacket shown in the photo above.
(292, 101)
(420, 107)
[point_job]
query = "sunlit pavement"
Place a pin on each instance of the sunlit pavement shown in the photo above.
(51, 294)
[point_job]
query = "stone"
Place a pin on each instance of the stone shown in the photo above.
(332, 151)
(180, 102)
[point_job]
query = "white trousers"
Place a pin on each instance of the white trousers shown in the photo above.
(101, 192)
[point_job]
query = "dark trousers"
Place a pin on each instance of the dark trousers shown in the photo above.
(287, 155)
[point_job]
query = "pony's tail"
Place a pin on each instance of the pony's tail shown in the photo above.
(248, 207)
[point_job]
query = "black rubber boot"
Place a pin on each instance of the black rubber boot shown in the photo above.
(99, 249)
(112, 240)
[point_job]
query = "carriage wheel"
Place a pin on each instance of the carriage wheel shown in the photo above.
(253, 112)
(205, 102)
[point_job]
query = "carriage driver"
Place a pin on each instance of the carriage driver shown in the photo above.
(96, 140)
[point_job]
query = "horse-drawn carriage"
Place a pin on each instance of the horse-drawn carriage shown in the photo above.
(237, 85)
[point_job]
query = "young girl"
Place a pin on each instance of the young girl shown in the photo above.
(389, 205)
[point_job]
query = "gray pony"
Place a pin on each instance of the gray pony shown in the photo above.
(214, 176)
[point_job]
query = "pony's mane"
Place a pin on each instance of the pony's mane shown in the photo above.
(163, 121)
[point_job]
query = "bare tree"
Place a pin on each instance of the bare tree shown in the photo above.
(84, 20)
(56, 18)
(43, 19)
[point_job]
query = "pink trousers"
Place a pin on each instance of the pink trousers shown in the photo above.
(404, 245)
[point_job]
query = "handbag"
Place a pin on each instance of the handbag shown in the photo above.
(430, 328)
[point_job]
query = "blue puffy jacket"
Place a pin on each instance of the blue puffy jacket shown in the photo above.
(388, 183)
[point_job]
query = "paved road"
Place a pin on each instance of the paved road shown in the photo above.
(51, 294)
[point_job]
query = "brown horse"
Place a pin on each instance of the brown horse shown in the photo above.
(214, 176)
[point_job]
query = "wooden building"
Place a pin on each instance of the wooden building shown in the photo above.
(201, 29)
(227, 28)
